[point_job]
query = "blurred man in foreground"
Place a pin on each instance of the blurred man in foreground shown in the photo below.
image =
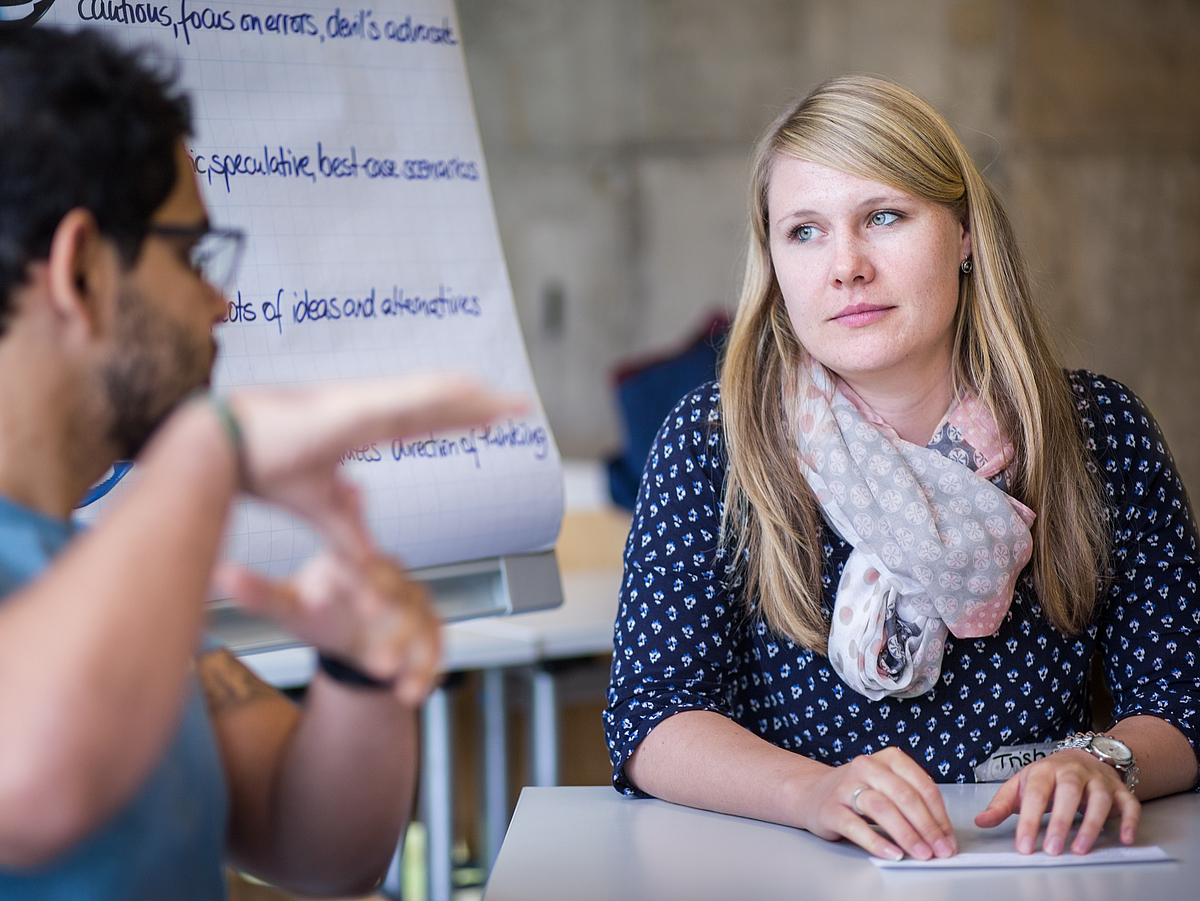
(135, 759)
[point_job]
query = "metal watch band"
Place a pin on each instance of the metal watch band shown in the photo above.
(1083, 741)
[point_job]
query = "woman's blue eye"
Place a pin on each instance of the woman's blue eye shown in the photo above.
(884, 217)
(804, 233)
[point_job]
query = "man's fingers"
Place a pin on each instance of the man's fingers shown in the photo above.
(339, 520)
(372, 615)
(423, 652)
(401, 406)
(399, 637)
(455, 402)
(293, 430)
(255, 593)
(408, 647)
(417, 679)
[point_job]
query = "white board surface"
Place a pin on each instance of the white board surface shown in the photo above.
(343, 140)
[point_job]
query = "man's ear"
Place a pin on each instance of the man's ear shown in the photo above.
(83, 271)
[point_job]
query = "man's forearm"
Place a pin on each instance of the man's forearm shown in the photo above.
(345, 789)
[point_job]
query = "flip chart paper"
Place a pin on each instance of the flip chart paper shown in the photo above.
(1010, 858)
(343, 139)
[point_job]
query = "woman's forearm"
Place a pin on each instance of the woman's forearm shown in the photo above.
(702, 759)
(1166, 761)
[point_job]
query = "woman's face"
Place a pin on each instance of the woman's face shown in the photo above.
(869, 275)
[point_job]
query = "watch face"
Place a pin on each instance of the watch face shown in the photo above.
(1113, 749)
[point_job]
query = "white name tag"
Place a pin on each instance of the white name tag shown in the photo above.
(1006, 761)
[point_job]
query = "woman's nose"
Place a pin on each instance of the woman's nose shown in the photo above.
(851, 261)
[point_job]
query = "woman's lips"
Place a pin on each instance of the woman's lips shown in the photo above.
(861, 314)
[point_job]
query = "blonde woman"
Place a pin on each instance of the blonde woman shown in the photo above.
(884, 550)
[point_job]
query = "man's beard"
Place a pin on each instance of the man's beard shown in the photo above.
(156, 365)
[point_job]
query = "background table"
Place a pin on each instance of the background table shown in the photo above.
(590, 843)
(582, 626)
(525, 644)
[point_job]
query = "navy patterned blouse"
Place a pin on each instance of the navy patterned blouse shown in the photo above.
(686, 639)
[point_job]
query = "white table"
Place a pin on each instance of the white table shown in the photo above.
(582, 626)
(591, 844)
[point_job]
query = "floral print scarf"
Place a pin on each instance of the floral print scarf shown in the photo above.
(938, 543)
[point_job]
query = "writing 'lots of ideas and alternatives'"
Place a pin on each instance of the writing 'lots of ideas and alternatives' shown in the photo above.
(301, 307)
(190, 21)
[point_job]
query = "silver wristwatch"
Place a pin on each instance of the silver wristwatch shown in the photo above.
(1107, 749)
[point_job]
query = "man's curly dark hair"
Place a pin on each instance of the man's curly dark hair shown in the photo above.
(83, 123)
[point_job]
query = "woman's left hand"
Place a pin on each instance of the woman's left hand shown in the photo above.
(1065, 783)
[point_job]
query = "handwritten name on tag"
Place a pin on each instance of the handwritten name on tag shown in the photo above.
(1006, 761)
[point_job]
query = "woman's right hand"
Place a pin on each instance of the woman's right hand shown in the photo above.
(893, 792)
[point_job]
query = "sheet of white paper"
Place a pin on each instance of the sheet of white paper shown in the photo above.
(343, 140)
(1010, 858)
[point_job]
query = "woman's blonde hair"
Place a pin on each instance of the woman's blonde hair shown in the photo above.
(873, 129)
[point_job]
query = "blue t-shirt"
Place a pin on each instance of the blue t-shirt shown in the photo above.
(168, 841)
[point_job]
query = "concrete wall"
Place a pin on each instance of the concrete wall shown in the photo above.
(1105, 163)
(617, 134)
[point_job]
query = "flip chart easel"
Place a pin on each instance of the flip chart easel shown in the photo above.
(343, 139)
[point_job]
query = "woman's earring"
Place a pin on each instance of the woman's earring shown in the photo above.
(966, 266)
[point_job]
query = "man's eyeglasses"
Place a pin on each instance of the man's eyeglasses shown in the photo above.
(213, 253)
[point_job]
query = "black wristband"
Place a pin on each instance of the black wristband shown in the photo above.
(342, 672)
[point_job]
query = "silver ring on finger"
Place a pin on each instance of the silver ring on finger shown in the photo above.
(854, 799)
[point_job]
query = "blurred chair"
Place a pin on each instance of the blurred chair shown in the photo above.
(647, 390)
